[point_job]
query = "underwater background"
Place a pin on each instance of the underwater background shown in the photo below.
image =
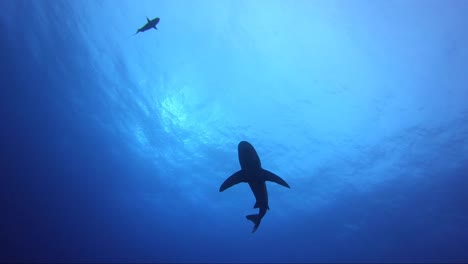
(113, 146)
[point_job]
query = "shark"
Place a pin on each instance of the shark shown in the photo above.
(151, 23)
(251, 172)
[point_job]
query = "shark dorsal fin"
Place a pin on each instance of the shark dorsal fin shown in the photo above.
(148, 19)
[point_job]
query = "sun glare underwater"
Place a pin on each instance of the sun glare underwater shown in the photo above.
(114, 144)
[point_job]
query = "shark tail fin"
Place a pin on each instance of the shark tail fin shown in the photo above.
(255, 218)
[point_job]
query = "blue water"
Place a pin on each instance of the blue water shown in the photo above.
(113, 146)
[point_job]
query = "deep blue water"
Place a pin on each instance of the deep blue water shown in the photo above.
(113, 146)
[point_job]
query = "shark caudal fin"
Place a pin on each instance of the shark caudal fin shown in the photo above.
(255, 218)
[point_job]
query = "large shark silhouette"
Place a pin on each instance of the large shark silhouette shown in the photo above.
(252, 173)
(149, 25)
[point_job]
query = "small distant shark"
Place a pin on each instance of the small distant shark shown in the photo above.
(252, 173)
(149, 25)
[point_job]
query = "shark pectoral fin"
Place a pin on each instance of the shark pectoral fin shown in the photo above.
(155, 28)
(270, 176)
(148, 19)
(234, 179)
